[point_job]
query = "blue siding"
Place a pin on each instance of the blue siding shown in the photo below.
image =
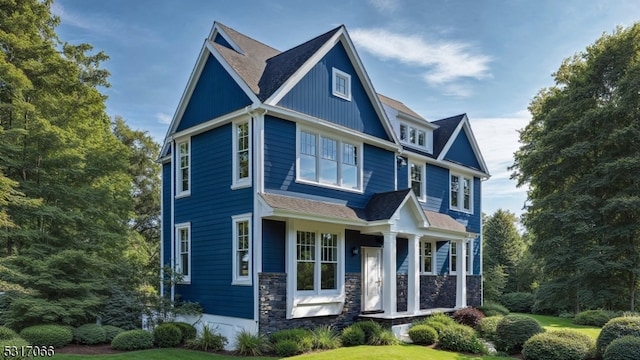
(403, 175)
(442, 257)
(166, 213)
(461, 152)
(476, 255)
(209, 209)
(402, 255)
(273, 246)
(353, 239)
(280, 172)
(215, 94)
(313, 96)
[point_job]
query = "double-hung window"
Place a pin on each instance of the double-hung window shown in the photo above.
(329, 161)
(427, 257)
(241, 154)
(241, 249)
(341, 86)
(183, 168)
(417, 180)
(316, 262)
(182, 250)
(461, 193)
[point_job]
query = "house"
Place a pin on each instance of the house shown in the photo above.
(294, 195)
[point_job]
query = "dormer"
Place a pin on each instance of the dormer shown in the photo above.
(412, 130)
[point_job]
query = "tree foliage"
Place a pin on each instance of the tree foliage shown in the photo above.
(580, 156)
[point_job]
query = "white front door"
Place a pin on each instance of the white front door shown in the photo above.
(371, 279)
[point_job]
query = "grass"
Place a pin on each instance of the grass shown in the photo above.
(400, 352)
(156, 354)
(556, 323)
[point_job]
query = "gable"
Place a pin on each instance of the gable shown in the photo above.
(219, 39)
(216, 93)
(461, 152)
(312, 95)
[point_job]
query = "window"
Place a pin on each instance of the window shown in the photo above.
(416, 136)
(416, 181)
(403, 132)
(242, 249)
(183, 172)
(328, 161)
(453, 258)
(461, 193)
(241, 154)
(183, 251)
(316, 261)
(341, 84)
(427, 260)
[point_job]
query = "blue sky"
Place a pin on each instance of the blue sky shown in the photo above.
(486, 58)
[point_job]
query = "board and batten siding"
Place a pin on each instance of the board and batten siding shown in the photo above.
(461, 152)
(209, 209)
(166, 214)
(273, 246)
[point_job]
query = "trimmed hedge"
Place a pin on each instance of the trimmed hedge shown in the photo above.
(493, 309)
(624, 348)
(47, 335)
(468, 316)
(133, 340)
(17, 343)
(487, 327)
(593, 317)
(565, 344)
(7, 334)
(615, 329)
(441, 318)
(461, 338)
(352, 336)
(513, 331)
(188, 331)
(423, 335)
(167, 335)
(111, 332)
(521, 302)
(89, 334)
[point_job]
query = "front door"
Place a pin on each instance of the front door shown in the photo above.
(371, 278)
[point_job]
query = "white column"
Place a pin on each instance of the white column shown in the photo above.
(389, 288)
(413, 276)
(461, 293)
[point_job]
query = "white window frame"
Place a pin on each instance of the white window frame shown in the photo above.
(237, 181)
(338, 74)
(237, 278)
(417, 131)
(423, 180)
(460, 203)
(318, 150)
(433, 257)
(186, 279)
(453, 247)
(180, 192)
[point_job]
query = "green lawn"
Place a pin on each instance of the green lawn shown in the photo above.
(552, 322)
(156, 354)
(408, 352)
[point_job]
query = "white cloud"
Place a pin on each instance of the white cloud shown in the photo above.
(444, 62)
(385, 5)
(163, 118)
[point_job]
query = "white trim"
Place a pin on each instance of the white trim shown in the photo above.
(227, 326)
(413, 276)
(423, 180)
(464, 125)
(173, 221)
(452, 246)
(389, 277)
(427, 133)
(237, 279)
(339, 74)
(461, 280)
(178, 241)
(460, 206)
(469, 254)
(236, 181)
(162, 235)
(180, 192)
(433, 244)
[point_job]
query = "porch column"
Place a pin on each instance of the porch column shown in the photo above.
(461, 293)
(413, 278)
(389, 288)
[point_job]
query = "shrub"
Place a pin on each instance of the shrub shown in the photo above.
(566, 344)
(111, 332)
(352, 336)
(188, 331)
(468, 316)
(513, 330)
(383, 338)
(89, 334)
(249, 344)
(47, 335)
(593, 317)
(370, 328)
(324, 338)
(493, 309)
(132, 340)
(518, 302)
(617, 328)
(441, 318)
(208, 340)
(167, 335)
(487, 327)
(13, 343)
(436, 325)
(302, 337)
(7, 334)
(423, 335)
(624, 348)
(287, 347)
(461, 338)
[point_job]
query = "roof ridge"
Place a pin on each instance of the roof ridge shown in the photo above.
(228, 29)
(308, 41)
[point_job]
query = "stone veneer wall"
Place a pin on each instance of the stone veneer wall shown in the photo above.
(401, 285)
(474, 290)
(273, 305)
(439, 291)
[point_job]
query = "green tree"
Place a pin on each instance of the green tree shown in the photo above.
(580, 156)
(503, 248)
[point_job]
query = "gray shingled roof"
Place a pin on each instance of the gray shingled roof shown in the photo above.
(442, 134)
(383, 205)
(315, 207)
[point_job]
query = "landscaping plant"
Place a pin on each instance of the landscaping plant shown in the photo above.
(324, 338)
(47, 335)
(250, 344)
(352, 336)
(423, 335)
(132, 340)
(468, 316)
(563, 344)
(461, 338)
(208, 340)
(513, 331)
(624, 348)
(89, 334)
(167, 335)
(593, 317)
(615, 329)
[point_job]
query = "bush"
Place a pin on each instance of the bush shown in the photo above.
(518, 302)
(441, 318)
(132, 340)
(167, 335)
(493, 309)
(624, 348)
(287, 347)
(593, 317)
(383, 338)
(188, 331)
(370, 328)
(513, 330)
(352, 336)
(617, 328)
(436, 325)
(89, 334)
(13, 343)
(249, 344)
(111, 332)
(487, 327)
(47, 335)
(7, 334)
(302, 337)
(324, 338)
(423, 335)
(461, 338)
(566, 344)
(208, 340)
(468, 316)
